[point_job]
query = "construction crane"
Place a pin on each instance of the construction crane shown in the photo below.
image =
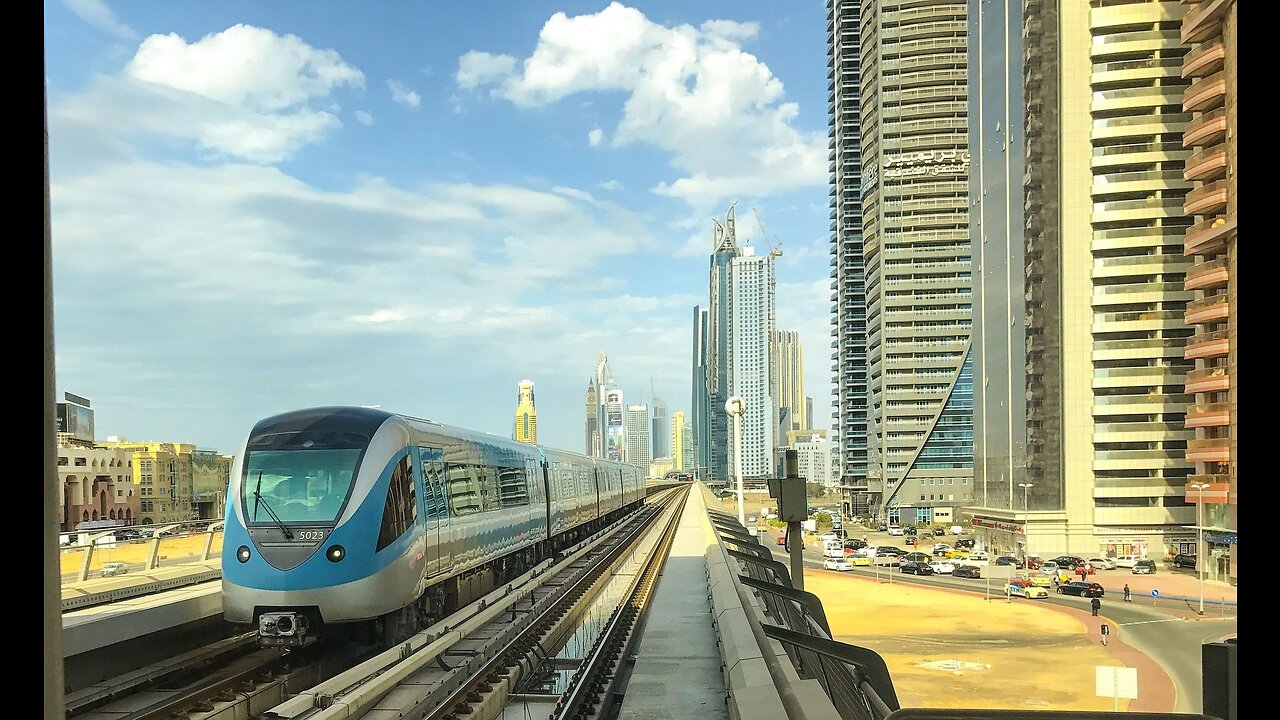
(775, 249)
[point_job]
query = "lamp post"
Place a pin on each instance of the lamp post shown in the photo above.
(736, 406)
(1199, 488)
(1026, 518)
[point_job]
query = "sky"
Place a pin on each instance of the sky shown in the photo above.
(262, 207)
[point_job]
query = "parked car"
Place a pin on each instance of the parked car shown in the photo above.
(896, 531)
(882, 527)
(113, 568)
(782, 539)
(977, 557)
(837, 564)
(1008, 560)
(917, 557)
(854, 544)
(1069, 562)
(1102, 563)
(1184, 560)
(1050, 567)
(890, 550)
(942, 567)
(1127, 561)
(964, 544)
(751, 518)
(967, 571)
(939, 532)
(1081, 589)
(1037, 579)
(1030, 592)
(859, 560)
(941, 549)
(916, 568)
(1144, 567)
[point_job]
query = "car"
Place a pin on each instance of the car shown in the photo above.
(939, 532)
(882, 527)
(1101, 563)
(916, 568)
(1050, 567)
(771, 516)
(1086, 569)
(942, 567)
(1008, 560)
(751, 518)
(917, 557)
(1127, 561)
(1069, 562)
(1081, 589)
(1030, 578)
(896, 531)
(890, 550)
(859, 560)
(837, 564)
(113, 568)
(955, 554)
(782, 540)
(965, 544)
(967, 571)
(1030, 592)
(977, 557)
(911, 530)
(1144, 567)
(854, 544)
(941, 548)
(1184, 560)
(828, 536)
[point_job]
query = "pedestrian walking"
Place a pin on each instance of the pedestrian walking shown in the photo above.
(1126, 593)
(1055, 581)
(1105, 630)
(1096, 604)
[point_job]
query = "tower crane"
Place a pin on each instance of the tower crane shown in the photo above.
(775, 249)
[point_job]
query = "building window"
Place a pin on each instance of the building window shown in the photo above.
(63, 461)
(81, 462)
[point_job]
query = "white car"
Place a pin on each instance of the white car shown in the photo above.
(824, 537)
(895, 530)
(942, 567)
(941, 549)
(974, 558)
(1100, 563)
(1030, 592)
(837, 564)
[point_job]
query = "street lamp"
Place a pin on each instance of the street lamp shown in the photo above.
(736, 406)
(1026, 518)
(1200, 488)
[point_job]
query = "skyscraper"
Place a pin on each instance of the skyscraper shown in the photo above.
(751, 313)
(787, 386)
(611, 412)
(713, 428)
(677, 434)
(525, 429)
(660, 430)
(915, 233)
(848, 284)
(1100, 274)
(700, 403)
(593, 420)
(1211, 241)
(638, 442)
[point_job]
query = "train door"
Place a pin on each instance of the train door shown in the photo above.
(435, 510)
(596, 480)
(549, 493)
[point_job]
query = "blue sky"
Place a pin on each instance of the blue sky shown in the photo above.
(258, 207)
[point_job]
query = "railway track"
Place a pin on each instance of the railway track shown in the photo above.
(468, 662)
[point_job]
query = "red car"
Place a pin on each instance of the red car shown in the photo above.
(782, 539)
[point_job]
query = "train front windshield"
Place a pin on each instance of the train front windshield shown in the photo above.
(299, 483)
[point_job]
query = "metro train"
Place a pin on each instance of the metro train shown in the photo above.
(388, 523)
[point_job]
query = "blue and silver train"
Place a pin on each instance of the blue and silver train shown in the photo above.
(358, 515)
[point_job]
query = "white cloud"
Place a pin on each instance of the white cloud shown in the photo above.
(573, 193)
(244, 92)
(595, 136)
(477, 68)
(97, 14)
(691, 91)
(611, 185)
(403, 95)
(364, 117)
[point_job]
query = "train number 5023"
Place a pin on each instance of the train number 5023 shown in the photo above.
(311, 535)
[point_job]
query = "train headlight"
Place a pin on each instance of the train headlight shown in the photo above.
(335, 553)
(242, 553)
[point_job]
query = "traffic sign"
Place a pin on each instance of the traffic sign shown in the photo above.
(1155, 592)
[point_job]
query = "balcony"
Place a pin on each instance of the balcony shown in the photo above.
(1208, 199)
(1205, 94)
(1204, 20)
(1204, 345)
(1207, 310)
(1209, 450)
(1208, 164)
(1207, 129)
(1215, 379)
(1209, 236)
(1204, 60)
(1209, 415)
(1218, 491)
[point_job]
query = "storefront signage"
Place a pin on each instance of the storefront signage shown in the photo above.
(998, 525)
(1220, 538)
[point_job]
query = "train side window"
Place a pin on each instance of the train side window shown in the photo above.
(434, 501)
(400, 511)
